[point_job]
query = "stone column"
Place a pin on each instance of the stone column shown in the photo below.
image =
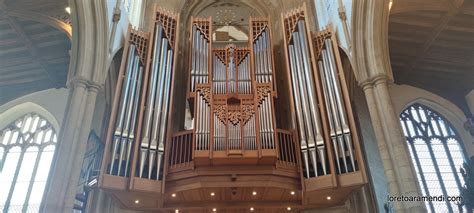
(86, 75)
(70, 151)
(398, 168)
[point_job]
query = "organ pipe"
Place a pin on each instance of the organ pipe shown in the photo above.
(127, 113)
(140, 112)
(316, 84)
(200, 52)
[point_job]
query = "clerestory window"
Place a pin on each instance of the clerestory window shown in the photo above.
(26, 152)
(436, 153)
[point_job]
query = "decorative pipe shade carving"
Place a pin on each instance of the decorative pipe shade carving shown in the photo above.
(233, 98)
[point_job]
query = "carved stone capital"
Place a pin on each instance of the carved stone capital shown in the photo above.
(373, 81)
(85, 83)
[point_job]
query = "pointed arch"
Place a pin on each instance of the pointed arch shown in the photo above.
(437, 153)
(16, 111)
(28, 138)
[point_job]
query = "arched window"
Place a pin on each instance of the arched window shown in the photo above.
(26, 152)
(436, 152)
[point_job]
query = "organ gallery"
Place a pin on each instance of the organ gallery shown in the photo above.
(235, 154)
(233, 106)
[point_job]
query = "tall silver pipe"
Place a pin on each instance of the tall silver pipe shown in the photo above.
(336, 112)
(130, 101)
(309, 87)
(270, 121)
(134, 118)
(330, 110)
(339, 101)
(199, 120)
(299, 112)
(269, 54)
(145, 144)
(206, 124)
(309, 77)
(205, 61)
(193, 58)
(302, 88)
(160, 94)
(260, 61)
(264, 56)
(263, 136)
(121, 114)
(127, 105)
(164, 111)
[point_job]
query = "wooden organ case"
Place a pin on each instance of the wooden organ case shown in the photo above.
(235, 157)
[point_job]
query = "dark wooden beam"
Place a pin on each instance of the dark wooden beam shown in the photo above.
(443, 23)
(32, 49)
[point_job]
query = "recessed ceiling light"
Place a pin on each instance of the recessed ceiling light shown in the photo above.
(292, 192)
(254, 193)
(173, 195)
(68, 10)
(137, 201)
(288, 208)
(212, 194)
(214, 209)
(176, 211)
(328, 197)
(251, 209)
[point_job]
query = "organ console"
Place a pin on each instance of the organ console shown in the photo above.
(235, 156)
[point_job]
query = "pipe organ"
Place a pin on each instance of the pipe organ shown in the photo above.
(235, 145)
(322, 110)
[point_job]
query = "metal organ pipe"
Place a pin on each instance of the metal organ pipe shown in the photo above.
(244, 86)
(263, 61)
(199, 58)
(341, 119)
(304, 88)
(193, 57)
(130, 105)
(308, 74)
(331, 113)
(299, 112)
(164, 110)
(155, 120)
(124, 128)
(145, 143)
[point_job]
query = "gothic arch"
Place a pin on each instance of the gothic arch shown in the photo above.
(19, 110)
(89, 52)
(370, 40)
(405, 95)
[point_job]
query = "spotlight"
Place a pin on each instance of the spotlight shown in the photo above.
(212, 194)
(328, 197)
(68, 10)
(251, 209)
(254, 193)
(292, 192)
(173, 195)
(214, 209)
(288, 208)
(137, 201)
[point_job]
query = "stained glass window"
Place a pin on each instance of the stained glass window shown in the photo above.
(26, 151)
(436, 153)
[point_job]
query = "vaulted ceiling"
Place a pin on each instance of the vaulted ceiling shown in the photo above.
(34, 46)
(432, 46)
